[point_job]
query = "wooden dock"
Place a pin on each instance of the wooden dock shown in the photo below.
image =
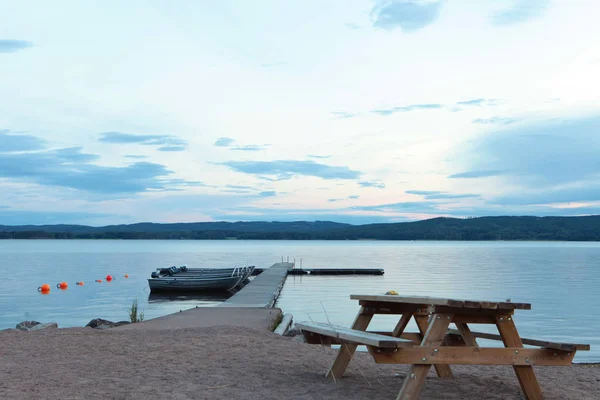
(263, 290)
(336, 271)
(328, 271)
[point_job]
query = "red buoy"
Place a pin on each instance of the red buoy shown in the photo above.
(98, 280)
(80, 283)
(44, 289)
(126, 276)
(62, 285)
(109, 278)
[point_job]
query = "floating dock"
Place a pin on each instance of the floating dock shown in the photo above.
(336, 271)
(263, 290)
(328, 271)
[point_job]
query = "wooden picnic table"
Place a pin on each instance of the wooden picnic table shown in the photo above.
(435, 344)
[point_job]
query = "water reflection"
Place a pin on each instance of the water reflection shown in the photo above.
(179, 296)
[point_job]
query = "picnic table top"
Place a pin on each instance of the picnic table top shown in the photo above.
(438, 301)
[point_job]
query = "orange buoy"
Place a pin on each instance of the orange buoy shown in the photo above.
(80, 283)
(109, 278)
(62, 285)
(44, 289)
(126, 276)
(98, 280)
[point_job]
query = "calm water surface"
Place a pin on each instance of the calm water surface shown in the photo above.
(561, 280)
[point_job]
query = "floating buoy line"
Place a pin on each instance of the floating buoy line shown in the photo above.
(45, 288)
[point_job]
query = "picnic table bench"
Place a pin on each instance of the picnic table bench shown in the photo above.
(435, 344)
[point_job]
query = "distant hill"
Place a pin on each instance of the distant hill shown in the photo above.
(150, 227)
(484, 228)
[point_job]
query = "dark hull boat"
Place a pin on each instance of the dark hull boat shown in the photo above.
(198, 279)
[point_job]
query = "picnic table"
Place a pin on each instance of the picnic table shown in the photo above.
(436, 344)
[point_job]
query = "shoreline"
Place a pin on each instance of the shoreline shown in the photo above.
(221, 361)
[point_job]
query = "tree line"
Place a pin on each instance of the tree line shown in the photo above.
(484, 228)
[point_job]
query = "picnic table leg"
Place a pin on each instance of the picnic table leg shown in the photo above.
(466, 334)
(442, 370)
(337, 369)
(416, 375)
(401, 325)
(525, 375)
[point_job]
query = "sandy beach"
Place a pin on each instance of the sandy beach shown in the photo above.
(137, 362)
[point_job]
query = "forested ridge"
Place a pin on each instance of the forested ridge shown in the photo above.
(585, 228)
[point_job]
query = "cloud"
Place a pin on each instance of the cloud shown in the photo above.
(342, 114)
(135, 156)
(422, 192)
(23, 217)
(319, 157)
(495, 120)
(251, 147)
(228, 142)
(172, 148)
(409, 15)
(183, 182)
(269, 193)
(12, 46)
(243, 187)
(167, 142)
(473, 102)
(444, 196)
(578, 193)
(74, 169)
(477, 174)
(521, 11)
(552, 154)
(407, 206)
(11, 142)
(354, 197)
(437, 195)
(412, 107)
(460, 105)
(351, 25)
(224, 142)
(372, 184)
(285, 169)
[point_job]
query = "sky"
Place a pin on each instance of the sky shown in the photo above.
(356, 111)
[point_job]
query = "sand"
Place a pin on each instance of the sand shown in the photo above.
(236, 363)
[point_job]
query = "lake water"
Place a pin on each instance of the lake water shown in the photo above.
(561, 280)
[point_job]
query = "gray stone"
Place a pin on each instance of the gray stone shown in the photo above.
(48, 325)
(99, 323)
(35, 325)
(26, 325)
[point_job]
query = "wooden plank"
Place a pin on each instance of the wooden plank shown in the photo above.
(378, 307)
(532, 342)
(443, 371)
(525, 375)
(401, 325)
(481, 304)
(417, 373)
(438, 301)
(474, 356)
(466, 311)
(263, 290)
(409, 300)
(352, 335)
(473, 319)
(466, 334)
(346, 352)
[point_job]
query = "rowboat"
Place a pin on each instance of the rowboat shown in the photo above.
(198, 279)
